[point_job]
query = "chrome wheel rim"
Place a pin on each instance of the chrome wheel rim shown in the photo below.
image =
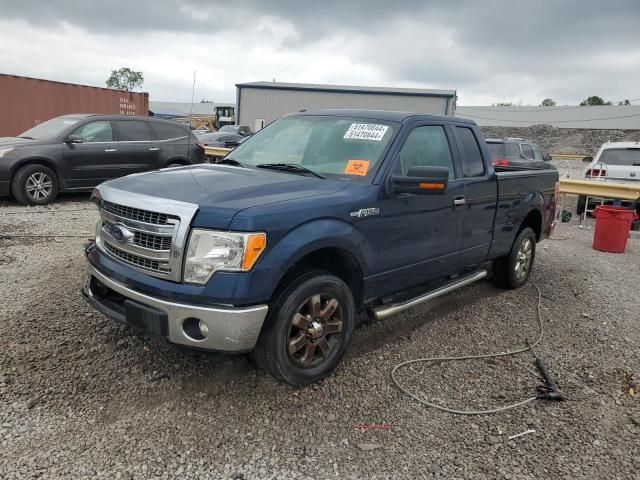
(315, 331)
(523, 259)
(39, 186)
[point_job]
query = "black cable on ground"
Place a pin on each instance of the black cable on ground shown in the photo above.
(428, 403)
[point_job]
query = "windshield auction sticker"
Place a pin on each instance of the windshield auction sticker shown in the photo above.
(357, 167)
(366, 131)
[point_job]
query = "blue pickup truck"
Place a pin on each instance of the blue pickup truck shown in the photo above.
(315, 218)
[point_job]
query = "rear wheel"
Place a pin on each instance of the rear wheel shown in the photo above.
(34, 185)
(513, 270)
(308, 330)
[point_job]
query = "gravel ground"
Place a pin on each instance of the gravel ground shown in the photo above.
(82, 397)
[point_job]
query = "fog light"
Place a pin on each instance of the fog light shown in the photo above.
(204, 329)
(195, 329)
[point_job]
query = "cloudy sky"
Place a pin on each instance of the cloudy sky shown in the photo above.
(489, 51)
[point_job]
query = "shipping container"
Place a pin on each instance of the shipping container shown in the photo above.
(26, 102)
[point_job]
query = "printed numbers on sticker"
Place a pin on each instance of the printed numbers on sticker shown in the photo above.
(366, 131)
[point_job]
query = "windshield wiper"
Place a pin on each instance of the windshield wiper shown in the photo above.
(24, 136)
(230, 161)
(290, 167)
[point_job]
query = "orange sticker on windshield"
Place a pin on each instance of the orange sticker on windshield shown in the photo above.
(357, 167)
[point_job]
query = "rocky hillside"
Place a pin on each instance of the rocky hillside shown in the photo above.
(564, 140)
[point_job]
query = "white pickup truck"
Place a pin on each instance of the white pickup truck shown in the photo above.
(614, 162)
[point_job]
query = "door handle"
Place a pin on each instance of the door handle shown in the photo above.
(110, 150)
(459, 201)
(154, 149)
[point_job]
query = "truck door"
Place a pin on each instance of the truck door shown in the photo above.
(420, 235)
(480, 198)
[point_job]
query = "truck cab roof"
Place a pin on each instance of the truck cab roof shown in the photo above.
(398, 117)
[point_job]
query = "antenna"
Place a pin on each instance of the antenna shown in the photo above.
(193, 91)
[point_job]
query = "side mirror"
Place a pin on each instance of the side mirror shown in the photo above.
(547, 158)
(421, 181)
(587, 159)
(73, 139)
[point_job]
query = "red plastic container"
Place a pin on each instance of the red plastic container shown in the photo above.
(612, 228)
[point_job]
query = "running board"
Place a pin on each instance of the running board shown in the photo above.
(385, 311)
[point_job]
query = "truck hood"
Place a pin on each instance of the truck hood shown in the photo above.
(221, 191)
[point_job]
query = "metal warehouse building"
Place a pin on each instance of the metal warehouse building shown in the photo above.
(260, 103)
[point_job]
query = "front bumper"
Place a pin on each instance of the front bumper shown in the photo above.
(231, 329)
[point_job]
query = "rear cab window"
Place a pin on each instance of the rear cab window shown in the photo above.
(470, 153)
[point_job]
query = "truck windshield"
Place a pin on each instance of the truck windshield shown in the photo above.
(50, 129)
(335, 147)
(629, 157)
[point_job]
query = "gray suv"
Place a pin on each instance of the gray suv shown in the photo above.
(516, 152)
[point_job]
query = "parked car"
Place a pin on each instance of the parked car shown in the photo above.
(243, 130)
(516, 152)
(221, 139)
(77, 152)
(614, 162)
(314, 218)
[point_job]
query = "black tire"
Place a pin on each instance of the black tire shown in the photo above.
(281, 333)
(582, 202)
(34, 185)
(513, 270)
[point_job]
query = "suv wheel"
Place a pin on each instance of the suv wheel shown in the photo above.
(513, 270)
(308, 330)
(34, 185)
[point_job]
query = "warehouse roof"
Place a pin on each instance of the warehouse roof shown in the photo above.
(420, 92)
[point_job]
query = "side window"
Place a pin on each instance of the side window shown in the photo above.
(99, 131)
(426, 147)
(133, 130)
(472, 164)
(164, 131)
(537, 154)
(527, 151)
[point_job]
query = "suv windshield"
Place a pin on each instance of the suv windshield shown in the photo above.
(629, 157)
(503, 150)
(51, 128)
(337, 147)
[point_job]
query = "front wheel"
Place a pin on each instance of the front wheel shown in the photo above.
(513, 270)
(308, 330)
(34, 185)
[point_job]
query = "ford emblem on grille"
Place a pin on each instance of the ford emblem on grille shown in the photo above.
(119, 232)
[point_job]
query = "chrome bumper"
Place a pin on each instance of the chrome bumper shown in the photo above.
(230, 329)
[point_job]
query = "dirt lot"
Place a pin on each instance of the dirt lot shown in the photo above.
(82, 397)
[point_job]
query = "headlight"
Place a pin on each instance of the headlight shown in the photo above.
(209, 251)
(4, 151)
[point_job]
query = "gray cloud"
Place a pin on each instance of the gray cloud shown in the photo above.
(494, 49)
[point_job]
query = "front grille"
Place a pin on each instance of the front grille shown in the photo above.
(151, 241)
(134, 259)
(137, 214)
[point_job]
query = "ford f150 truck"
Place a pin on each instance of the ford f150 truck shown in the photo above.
(316, 217)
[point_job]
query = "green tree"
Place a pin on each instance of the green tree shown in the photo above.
(125, 79)
(548, 102)
(593, 101)
(626, 102)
